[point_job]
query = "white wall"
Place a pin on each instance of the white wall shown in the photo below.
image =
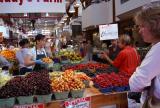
(128, 6)
(97, 14)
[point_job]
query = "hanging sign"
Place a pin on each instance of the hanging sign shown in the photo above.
(108, 32)
(79, 103)
(30, 106)
(32, 6)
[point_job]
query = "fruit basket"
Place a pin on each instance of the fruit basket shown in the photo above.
(77, 93)
(61, 95)
(44, 98)
(8, 102)
(25, 100)
(106, 90)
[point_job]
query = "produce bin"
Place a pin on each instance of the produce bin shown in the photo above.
(44, 98)
(8, 102)
(119, 89)
(61, 95)
(77, 93)
(106, 90)
(25, 100)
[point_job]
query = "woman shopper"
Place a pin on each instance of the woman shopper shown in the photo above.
(3, 61)
(148, 73)
(39, 52)
(127, 60)
(25, 58)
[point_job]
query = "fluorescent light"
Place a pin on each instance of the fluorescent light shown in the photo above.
(47, 14)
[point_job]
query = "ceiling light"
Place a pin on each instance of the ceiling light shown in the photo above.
(71, 10)
(47, 14)
(25, 14)
(77, 3)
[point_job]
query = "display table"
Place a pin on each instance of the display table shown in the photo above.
(98, 99)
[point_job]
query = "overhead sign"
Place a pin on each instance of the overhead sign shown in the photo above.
(32, 6)
(108, 32)
(79, 103)
(30, 106)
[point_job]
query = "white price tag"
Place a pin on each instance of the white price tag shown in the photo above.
(79, 103)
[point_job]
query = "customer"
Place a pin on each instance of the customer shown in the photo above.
(114, 49)
(3, 61)
(127, 60)
(25, 57)
(89, 50)
(39, 52)
(148, 73)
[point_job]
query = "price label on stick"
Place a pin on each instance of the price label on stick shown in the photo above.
(79, 103)
(30, 106)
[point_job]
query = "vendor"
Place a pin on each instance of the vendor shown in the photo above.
(3, 61)
(39, 52)
(128, 59)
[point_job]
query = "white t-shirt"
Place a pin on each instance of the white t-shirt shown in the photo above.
(21, 54)
(41, 51)
(149, 69)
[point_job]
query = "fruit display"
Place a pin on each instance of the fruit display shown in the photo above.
(47, 60)
(82, 77)
(75, 58)
(4, 79)
(111, 80)
(35, 83)
(55, 74)
(9, 55)
(66, 82)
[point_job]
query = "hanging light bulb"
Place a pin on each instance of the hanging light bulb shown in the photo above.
(47, 14)
(71, 10)
(25, 14)
(77, 3)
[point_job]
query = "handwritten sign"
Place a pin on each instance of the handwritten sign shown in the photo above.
(79, 103)
(32, 6)
(108, 32)
(30, 106)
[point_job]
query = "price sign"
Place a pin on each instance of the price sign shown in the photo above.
(108, 32)
(30, 106)
(79, 103)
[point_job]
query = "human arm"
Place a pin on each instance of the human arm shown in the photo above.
(149, 69)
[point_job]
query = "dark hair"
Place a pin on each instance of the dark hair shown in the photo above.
(39, 37)
(23, 42)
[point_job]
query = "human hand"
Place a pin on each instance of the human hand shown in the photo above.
(39, 62)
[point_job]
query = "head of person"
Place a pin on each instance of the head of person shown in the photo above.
(148, 20)
(24, 43)
(40, 40)
(124, 40)
(114, 42)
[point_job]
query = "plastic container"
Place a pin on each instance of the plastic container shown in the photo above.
(127, 88)
(61, 95)
(25, 100)
(56, 67)
(119, 89)
(106, 90)
(65, 62)
(77, 93)
(8, 102)
(44, 98)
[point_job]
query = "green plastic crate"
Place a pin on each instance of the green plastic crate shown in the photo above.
(44, 98)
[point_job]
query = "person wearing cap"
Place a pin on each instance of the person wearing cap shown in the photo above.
(39, 52)
(3, 61)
